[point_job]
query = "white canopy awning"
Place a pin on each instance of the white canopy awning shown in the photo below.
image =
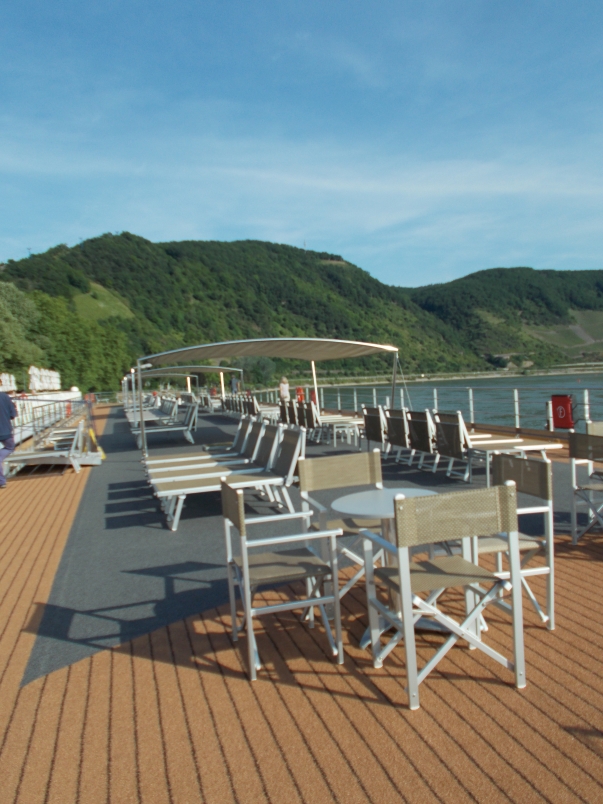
(313, 349)
(187, 371)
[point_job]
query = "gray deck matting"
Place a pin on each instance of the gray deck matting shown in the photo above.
(123, 573)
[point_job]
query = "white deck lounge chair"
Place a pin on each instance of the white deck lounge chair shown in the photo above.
(272, 482)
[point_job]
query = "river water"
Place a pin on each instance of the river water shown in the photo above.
(493, 398)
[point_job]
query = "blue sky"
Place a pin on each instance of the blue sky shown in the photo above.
(420, 140)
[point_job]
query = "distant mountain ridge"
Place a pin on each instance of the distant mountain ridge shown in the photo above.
(143, 297)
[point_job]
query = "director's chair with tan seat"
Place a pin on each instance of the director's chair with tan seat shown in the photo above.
(585, 450)
(419, 584)
(275, 561)
(354, 470)
(533, 477)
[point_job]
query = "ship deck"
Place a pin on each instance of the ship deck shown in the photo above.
(119, 681)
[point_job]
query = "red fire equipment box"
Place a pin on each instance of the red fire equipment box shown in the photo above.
(563, 414)
(300, 394)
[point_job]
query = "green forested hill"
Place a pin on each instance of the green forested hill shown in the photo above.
(93, 308)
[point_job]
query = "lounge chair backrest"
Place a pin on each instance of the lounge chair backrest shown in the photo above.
(419, 431)
(290, 449)
(241, 434)
(373, 425)
(397, 429)
(266, 447)
(449, 437)
(531, 475)
(594, 428)
(340, 471)
(233, 507)
(315, 415)
(191, 410)
(311, 423)
(252, 440)
(284, 414)
(444, 517)
(292, 411)
(301, 414)
(586, 447)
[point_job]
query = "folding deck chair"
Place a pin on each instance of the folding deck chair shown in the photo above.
(421, 435)
(397, 432)
(422, 521)
(533, 477)
(450, 444)
(584, 450)
(273, 482)
(338, 472)
(375, 428)
(283, 560)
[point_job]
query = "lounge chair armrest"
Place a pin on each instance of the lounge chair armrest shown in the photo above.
(296, 537)
(319, 507)
(258, 520)
(379, 541)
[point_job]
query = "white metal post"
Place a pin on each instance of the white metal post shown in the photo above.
(314, 379)
(586, 405)
(322, 398)
(401, 398)
(471, 409)
(516, 405)
(549, 416)
(339, 400)
(222, 384)
(374, 397)
(355, 400)
(435, 399)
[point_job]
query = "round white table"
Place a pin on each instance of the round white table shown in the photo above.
(375, 503)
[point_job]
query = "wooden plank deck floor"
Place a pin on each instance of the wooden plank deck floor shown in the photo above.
(170, 717)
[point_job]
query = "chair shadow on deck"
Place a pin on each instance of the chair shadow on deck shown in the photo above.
(132, 504)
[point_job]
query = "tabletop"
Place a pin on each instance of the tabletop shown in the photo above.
(375, 503)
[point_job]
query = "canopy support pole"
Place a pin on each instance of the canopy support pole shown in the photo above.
(188, 385)
(143, 435)
(222, 384)
(315, 385)
(394, 378)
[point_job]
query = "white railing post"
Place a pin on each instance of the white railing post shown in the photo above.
(435, 399)
(471, 409)
(374, 397)
(355, 400)
(339, 399)
(322, 398)
(401, 398)
(387, 402)
(549, 415)
(586, 405)
(516, 406)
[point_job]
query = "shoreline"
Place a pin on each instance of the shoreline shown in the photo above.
(385, 379)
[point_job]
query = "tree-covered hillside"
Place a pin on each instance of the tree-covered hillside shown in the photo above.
(115, 297)
(503, 310)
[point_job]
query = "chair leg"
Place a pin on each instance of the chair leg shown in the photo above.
(410, 648)
(516, 597)
(233, 603)
(550, 559)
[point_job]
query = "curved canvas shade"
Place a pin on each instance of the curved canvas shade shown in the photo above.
(188, 371)
(313, 349)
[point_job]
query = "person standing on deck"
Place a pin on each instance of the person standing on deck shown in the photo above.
(283, 390)
(8, 412)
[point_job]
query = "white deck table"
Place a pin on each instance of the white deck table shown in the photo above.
(515, 447)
